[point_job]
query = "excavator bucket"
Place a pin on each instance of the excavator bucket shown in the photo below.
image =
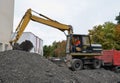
(24, 46)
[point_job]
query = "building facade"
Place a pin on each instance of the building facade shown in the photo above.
(6, 23)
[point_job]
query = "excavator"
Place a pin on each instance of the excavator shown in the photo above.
(84, 55)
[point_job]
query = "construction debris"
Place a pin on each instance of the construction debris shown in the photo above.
(24, 46)
(24, 67)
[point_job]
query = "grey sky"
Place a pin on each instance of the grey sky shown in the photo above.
(81, 14)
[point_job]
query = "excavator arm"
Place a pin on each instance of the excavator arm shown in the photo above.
(40, 19)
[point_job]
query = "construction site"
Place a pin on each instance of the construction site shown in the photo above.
(22, 60)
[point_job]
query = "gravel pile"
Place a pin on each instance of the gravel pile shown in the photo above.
(23, 67)
(99, 76)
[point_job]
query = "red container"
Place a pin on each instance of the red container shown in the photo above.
(116, 57)
(110, 57)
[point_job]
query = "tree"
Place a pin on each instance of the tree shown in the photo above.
(46, 50)
(118, 18)
(96, 34)
(104, 34)
(57, 49)
(60, 49)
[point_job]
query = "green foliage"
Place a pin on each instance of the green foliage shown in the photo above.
(107, 34)
(57, 49)
(46, 50)
(118, 18)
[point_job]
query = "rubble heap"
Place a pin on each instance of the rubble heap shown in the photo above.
(24, 67)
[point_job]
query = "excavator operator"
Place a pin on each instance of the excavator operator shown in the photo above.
(76, 45)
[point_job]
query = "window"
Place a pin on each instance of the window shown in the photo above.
(86, 40)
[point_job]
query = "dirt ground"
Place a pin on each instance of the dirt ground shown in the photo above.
(23, 67)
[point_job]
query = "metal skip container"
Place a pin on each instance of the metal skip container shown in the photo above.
(36, 41)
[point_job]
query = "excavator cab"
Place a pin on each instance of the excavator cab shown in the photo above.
(85, 45)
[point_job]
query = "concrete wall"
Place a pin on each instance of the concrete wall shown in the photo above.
(6, 23)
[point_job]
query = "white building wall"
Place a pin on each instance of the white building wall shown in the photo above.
(6, 23)
(37, 42)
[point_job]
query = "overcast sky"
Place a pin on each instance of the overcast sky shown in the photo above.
(81, 14)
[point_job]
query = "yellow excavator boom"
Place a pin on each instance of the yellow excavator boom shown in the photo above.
(43, 19)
